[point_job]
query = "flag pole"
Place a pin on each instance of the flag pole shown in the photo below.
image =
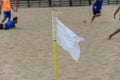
(54, 44)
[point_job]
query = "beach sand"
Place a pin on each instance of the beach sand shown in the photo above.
(26, 52)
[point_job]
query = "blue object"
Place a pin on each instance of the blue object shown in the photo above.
(97, 6)
(9, 24)
(7, 14)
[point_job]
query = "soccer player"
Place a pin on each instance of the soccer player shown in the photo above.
(9, 24)
(6, 8)
(118, 30)
(96, 8)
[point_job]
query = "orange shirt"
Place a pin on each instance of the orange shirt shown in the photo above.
(6, 6)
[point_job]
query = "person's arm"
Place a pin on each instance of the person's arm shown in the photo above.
(13, 8)
(94, 2)
(11, 27)
(117, 10)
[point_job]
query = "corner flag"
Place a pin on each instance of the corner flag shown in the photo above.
(68, 40)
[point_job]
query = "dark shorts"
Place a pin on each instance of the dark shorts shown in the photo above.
(7, 14)
(96, 12)
(1, 26)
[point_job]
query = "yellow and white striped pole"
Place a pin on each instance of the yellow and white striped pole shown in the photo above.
(54, 44)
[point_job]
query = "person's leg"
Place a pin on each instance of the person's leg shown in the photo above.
(9, 15)
(9, 18)
(5, 17)
(3, 20)
(96, 14)
(111, 35)
(92, 18)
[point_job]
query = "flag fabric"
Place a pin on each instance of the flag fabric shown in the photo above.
(68, 40)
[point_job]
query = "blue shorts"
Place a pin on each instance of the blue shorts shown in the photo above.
(96, 12)
(7, 14)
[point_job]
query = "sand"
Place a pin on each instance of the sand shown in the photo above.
(26, 53)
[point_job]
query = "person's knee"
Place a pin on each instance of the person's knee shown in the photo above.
(97, 15)
(5, 18)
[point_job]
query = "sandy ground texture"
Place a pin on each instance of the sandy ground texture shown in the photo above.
(26, 52)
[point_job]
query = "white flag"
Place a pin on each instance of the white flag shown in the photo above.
(68, 40)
